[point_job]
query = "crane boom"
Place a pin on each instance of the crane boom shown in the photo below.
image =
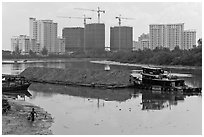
(85, 18)
(98, 12)
(119, 19)
(84, 9)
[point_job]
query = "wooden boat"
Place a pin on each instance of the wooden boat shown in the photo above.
(157, 79)
(14, 83)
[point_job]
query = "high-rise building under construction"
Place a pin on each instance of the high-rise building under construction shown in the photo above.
(95, 37)
(121, 38)
(74, 38)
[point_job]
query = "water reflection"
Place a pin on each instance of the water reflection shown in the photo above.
(125, 111)
(149, 100)
(95, 93)
(158, 101)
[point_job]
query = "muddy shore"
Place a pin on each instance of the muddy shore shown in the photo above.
(14, 122)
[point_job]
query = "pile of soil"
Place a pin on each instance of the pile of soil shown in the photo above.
(78, 76)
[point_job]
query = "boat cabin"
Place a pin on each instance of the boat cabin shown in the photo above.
(152, 71)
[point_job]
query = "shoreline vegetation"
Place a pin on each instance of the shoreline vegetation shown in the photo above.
(158, 56)
(161, 56)
(14, 121)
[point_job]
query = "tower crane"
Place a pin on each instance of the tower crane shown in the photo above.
(84, 17)
(119, 19)
(98, 11)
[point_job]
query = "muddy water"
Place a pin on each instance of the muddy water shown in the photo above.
(79, 110)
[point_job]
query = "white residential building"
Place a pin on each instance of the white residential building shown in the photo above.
(157, 35)
(174, 35)
(45, 33)
(22, 42)
(166, 35)
(189, 39)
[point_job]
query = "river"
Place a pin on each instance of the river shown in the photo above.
(80, 110)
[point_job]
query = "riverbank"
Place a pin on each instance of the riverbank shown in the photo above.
(144, 65)
(15, 122)
(63, 60)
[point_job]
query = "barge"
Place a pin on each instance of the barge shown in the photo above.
(157, 79)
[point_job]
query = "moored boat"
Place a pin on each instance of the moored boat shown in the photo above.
(14, 83)
(157, 79)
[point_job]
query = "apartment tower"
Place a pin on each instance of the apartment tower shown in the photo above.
(95, 37)
(121, 38)
(166, 35)
(45, 33)
(189, 39)
(74, 38)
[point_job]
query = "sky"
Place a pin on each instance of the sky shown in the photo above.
(15, 16)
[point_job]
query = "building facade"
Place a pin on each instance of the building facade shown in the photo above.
(95, 37)
(144, 44)
(121, 38)
(136, 45)
(60, 48)
(189, 39)
(157, 35)
(44, 32)
(14, 43)
(166, 35)
(74, 39)
(174, 35)
(21, 42)
(34, 46)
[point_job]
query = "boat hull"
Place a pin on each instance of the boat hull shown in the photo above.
(16, 87)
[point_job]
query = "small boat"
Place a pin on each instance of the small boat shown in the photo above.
(14, 83)
(157, 79)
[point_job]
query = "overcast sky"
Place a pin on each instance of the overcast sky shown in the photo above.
(15, 16)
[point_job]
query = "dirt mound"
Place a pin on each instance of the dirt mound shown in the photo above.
(78, 76)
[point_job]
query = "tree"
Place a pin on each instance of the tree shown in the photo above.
(31, 53)
(177, 48)
(17, 51)
(44, 51)
(199, 42)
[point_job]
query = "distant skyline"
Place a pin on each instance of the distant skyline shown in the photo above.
(15, 16)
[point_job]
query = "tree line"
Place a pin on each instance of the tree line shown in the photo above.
(161, 56)
(158, 56)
